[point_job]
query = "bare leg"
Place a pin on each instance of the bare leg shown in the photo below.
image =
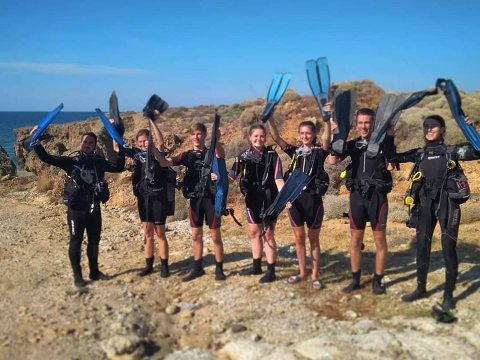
(299, 233)
(313, 236)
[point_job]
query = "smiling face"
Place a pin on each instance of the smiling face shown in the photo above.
(433, 131)
(257, 138)
(197, 137)
(306, 135)
(88, 144)
(364, 125)
(142, 142)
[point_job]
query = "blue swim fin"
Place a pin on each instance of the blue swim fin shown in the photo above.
(111, 128)
(221, 185)
(453, 97)
(277, 89)
(344, 102)
(318, 74)
(42, 125)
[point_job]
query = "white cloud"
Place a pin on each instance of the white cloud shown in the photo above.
(70, 69)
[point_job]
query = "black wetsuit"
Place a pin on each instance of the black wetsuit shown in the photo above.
(85, 173)
(368, 181)
(308, 207)
(155, 197)
(257, 180)
(434, 204)
(202, 198)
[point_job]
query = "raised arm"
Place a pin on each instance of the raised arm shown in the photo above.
(63, 162)
(158, 135)
(272, 128)
(164, 162)
(326, 135)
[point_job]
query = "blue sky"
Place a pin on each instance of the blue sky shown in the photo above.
(214, 52)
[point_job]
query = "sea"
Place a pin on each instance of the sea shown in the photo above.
(10, 120)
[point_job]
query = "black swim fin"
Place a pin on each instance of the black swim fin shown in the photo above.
(154, 103)
(380, 131)
(115, 114)
(344, 102)
(384, 115)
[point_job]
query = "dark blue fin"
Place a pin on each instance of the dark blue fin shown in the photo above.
(318, 74)
(42, 125)
(344, 102)
(453, 97)
(277, 89)
(289, 193)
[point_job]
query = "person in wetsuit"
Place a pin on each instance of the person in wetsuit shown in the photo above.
(154, 188)
(202, 200)
(261, 178)
(435, 201)
(308, 207)
(85, 188)
(369, 182)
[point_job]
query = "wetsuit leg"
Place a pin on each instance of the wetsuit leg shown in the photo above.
(254, 205)
(358, 213)
(377, 211)
(426, 225)
(76, 225)
(211, 219)
(196, 212)
(94, 228)
(449, 219)
(315, 217)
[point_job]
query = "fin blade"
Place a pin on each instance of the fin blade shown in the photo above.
(42, 125)
(272, 90)
(282, 87)
(110, 128)
(455, 103)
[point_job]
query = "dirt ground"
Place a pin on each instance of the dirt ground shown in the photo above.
(44, 316)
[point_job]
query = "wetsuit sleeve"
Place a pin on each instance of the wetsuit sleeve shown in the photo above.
(118, 165)
(466, 153)
(179, 159)
(289, 150)
(389, 145)
(277, 167)
(235, 170)
(407, 156)
(63, 162)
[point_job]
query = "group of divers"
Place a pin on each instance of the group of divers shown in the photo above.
(436, 190)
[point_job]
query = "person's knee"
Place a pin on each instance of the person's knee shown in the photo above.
(216, 236)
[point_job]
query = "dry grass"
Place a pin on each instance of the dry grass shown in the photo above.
(44, 182)
(335, 206)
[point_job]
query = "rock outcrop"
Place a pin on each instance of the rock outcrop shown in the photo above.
(7, 166)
